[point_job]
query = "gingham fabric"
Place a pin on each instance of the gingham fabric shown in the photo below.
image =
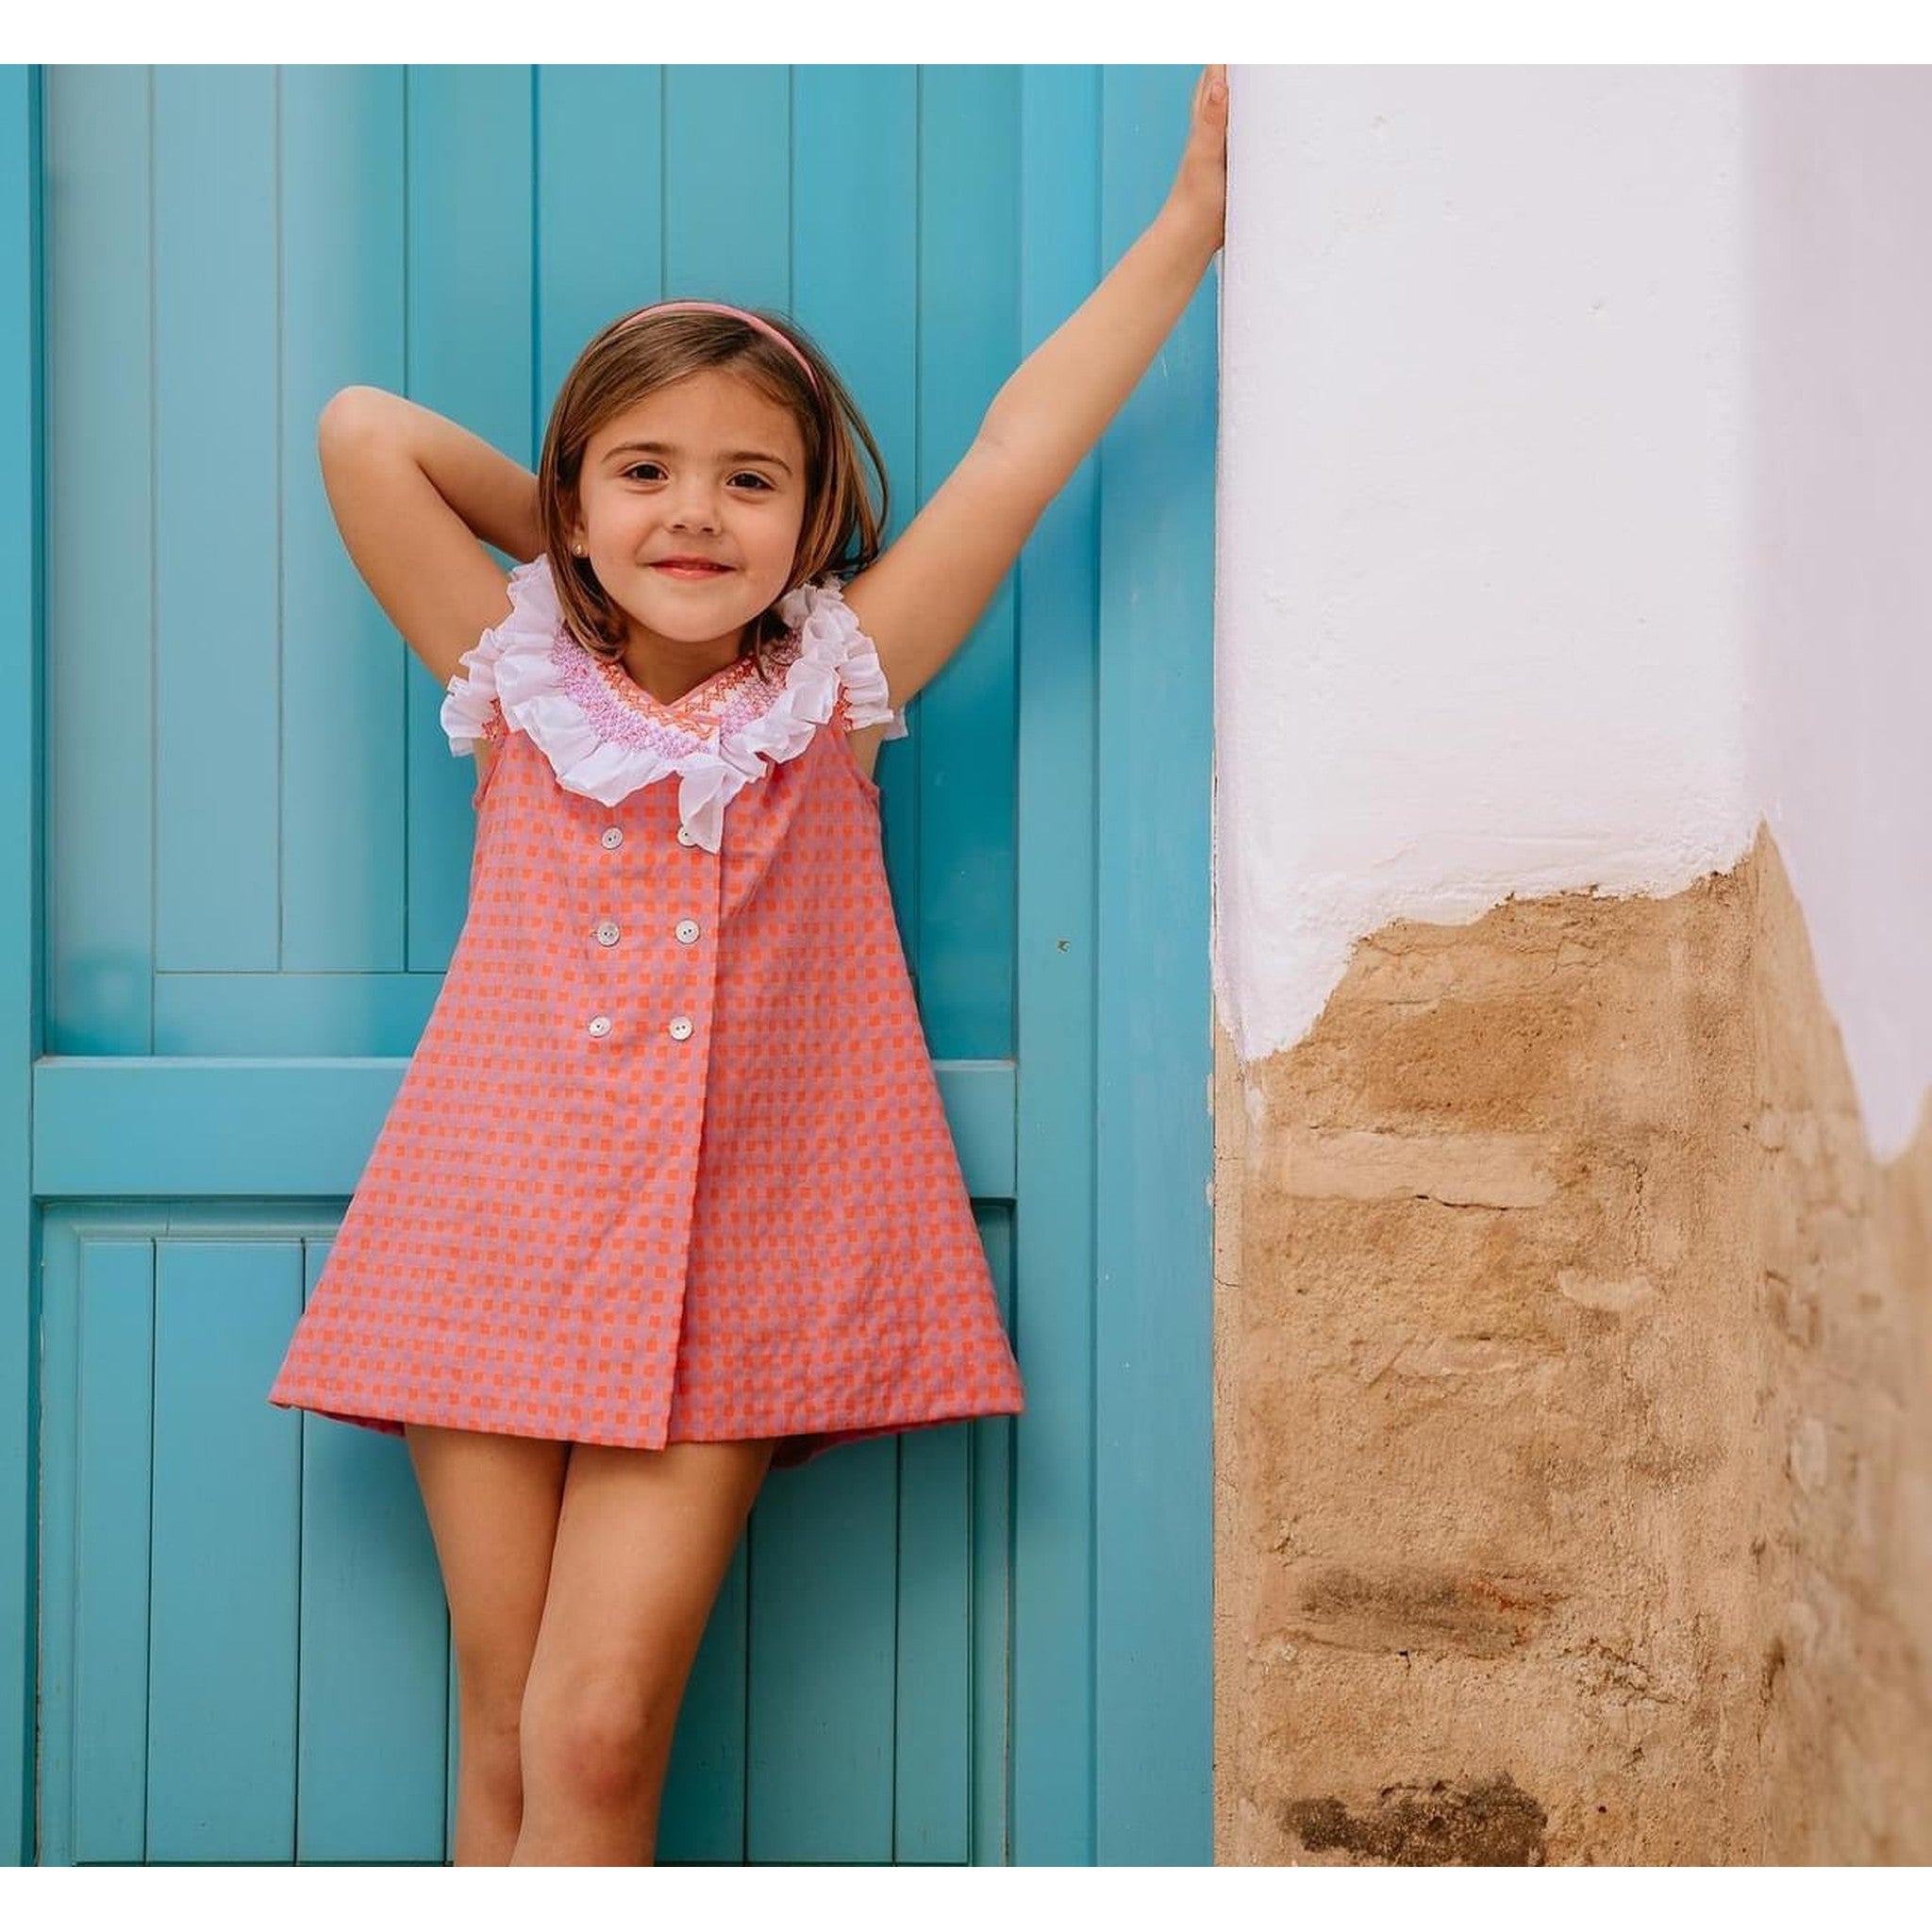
(669, 1162)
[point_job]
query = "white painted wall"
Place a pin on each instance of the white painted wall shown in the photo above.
(1507, 601)
(1838, 238)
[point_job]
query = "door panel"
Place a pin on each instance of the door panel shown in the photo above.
(977, 1643)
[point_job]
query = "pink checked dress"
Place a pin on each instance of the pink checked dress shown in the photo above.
(669, 1162)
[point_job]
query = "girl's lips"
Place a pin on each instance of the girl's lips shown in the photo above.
(691, 569)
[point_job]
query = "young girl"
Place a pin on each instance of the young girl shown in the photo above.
(667, 1195)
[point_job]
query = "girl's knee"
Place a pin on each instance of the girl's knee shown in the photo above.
(600, 1738)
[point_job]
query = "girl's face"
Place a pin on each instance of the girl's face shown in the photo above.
(706, 468)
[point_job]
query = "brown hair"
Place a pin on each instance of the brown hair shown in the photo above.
(625, 361)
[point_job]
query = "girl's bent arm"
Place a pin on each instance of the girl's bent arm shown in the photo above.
(492, 493)
(434, 580)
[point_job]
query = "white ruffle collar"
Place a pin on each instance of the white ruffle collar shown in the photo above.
(604, 738)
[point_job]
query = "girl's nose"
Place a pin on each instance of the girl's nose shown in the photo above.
(696, 505)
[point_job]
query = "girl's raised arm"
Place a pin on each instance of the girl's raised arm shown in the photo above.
(920, 599)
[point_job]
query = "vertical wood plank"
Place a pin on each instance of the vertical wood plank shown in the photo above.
(933, 1665)
(221, 1756)
(47, 1825)
(344, 669)
(824, 1607)
(1152, 1400)
(452, 1757)
(372, 1721)
(727, 160)
(989, 1742)
(112, 1477)
(703, 1818)
(600, 210)
(216, 521)
(470, 270)
(855, 289)
(1053, 1327)
(99, 757)
(968, 346)
(21, 957)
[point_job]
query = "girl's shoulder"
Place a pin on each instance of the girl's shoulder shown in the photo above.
(830, 636)
(473, 711)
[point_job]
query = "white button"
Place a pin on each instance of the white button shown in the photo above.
(613, 837)
(687, 931)
(679, 1028)
(600, 1026)
(686, 835)
(607, 933)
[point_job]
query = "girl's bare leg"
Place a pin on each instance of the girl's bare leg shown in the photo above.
(492, 1503)
(642, 1544)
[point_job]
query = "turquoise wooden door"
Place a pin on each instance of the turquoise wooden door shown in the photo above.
(238, 850)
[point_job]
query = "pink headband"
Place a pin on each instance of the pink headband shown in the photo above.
(726, 308)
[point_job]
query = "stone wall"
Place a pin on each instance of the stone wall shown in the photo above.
(1574, 1406)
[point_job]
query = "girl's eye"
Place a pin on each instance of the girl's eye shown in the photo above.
(742, 476)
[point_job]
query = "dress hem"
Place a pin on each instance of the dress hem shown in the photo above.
(795, 1445)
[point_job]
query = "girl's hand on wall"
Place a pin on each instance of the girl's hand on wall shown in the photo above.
(1199, 187)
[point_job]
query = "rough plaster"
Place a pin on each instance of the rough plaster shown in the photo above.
(1575, 452)
(1467, 644)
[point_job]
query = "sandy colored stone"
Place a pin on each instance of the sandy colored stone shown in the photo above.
(1574, 1406)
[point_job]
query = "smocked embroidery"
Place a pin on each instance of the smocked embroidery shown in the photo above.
(604, 742)
(621, 712)
(707, 701)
